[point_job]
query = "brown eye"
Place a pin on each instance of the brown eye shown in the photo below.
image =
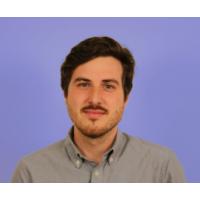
(83, 85)
(109, 87)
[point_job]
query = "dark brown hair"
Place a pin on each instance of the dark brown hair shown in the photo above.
(95, 47)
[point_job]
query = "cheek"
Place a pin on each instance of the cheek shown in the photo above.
(115, 102)
(118, 97)
(76, 99)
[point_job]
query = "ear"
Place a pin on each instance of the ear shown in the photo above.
(65, 99)
(65, 94)
(126, 100)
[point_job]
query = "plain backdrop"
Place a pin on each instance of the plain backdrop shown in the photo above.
(163, 107)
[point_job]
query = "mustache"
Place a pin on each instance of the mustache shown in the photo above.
(95, 107)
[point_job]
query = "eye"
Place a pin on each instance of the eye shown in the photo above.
(83, 85)
(109, 87)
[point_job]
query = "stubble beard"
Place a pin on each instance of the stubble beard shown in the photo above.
(94, 129)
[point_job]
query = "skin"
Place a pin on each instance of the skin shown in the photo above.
(95, 103)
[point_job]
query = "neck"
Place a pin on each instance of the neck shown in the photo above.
(94, 148)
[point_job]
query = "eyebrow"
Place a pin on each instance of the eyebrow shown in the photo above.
(111, 80)
(81, 79)
(88, 80)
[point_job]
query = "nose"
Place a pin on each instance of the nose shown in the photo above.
(95, 96)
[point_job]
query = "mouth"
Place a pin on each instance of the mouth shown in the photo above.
(94, 113)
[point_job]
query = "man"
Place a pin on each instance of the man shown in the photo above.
(96, 78)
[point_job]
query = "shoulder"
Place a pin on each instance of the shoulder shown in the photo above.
(33, 165)
(160, 160)
(146, 148)
(49, 153)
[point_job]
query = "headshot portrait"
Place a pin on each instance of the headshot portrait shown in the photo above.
(99, 100)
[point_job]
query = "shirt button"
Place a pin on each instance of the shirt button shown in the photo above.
(78, 163)
(111, 159)
(96, 173)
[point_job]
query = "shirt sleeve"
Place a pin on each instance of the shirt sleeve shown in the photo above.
(21, 173)
(173, 171)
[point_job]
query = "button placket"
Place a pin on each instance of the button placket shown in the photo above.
(78, 163)
(96, 173)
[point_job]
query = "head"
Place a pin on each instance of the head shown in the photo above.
(96, 78)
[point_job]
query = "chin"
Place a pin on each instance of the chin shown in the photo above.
(93, 135)
(92, 131)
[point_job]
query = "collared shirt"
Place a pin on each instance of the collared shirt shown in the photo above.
(129, 160)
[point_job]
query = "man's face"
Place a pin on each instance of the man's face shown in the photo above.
(95, 97)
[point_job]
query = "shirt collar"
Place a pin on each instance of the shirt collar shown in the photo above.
(78, 158)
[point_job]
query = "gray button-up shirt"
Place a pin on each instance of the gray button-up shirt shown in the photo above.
(129, 160)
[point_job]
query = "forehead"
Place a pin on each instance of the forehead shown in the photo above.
(99, 68)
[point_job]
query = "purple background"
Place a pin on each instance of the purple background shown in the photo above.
(163, 107)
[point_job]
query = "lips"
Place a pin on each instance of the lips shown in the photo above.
(94, 113)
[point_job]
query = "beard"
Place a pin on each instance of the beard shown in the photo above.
(95, 128)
